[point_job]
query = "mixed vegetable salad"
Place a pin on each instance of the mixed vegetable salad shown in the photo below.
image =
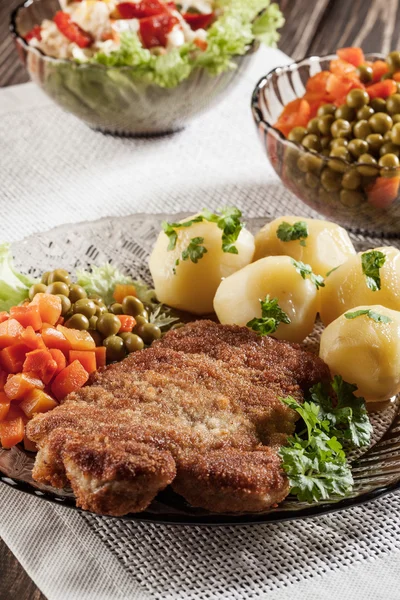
(164, 41)
(350, 115)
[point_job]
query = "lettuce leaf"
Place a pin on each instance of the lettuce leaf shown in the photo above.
(14, 286)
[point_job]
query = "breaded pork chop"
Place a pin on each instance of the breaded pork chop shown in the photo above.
(199, 410)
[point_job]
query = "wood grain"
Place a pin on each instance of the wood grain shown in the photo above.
(15, 584)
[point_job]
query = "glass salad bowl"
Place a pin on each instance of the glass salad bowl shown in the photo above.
(115, 99)
(374, 206)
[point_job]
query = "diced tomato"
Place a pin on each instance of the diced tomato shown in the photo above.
(19, 385)
(13, 357)
(10, 333)
(79, 340)
(41, 363)
(121, 291)
(49, 307)
(12, 432)
(37, 401)
(54, 338)
(60, 359)
(100, 352)
(127, 323)
(31, 339)
(4, 316)
(27, 315)
(198, 21)
(34, 33)
(379, 69)
(140, 10)
(295, 114)
(71, 30)
(382, 89)
(383, 192)
(154, 30)
(87, 358)
(4, 405)
(69, 380)
(354, 56)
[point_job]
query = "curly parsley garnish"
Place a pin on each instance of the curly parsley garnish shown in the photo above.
(228, 221)
(289, 233)
(315, 459)
(306, 271)
(377, 317)
(371, 262)
(271, 317)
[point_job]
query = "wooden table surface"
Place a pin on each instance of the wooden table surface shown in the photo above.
(312, 27)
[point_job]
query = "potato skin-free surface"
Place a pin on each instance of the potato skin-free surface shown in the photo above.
(327, 244)
(365, 353)
(193, 286)
(347, 286)
(237, 300)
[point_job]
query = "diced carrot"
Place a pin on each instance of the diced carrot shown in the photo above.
(3, 379)
(383, 192)
(60, 359)
(13, 357)
(79, 340)
(87, 358)
(31, 339)
(127, 323)
(4, 406)
(12, 432)
(54, 338)
(396, 76)
(100, 352)
(4, 316)
(317, 83)
(295, 114)
(10, 333)
(382, 89)
(19, 385)
(49, 307)
(338, 87)
(342, 68)
(379, 69)
(27, 315)
(354, 56)
(15, 412)
(37, 401)
(121, 291)
(29, 445)
(69, 380)
(41, 363)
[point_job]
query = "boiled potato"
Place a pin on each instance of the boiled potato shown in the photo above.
(237, 300)
(326, 246)
(347, 286)
(365, 352)
(192, 288)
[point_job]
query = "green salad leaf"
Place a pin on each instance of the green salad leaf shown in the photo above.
(14, 286)
(271, 317)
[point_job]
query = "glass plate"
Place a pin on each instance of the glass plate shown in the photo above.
(127, 242)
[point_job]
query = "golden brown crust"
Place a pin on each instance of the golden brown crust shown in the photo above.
(201, 409)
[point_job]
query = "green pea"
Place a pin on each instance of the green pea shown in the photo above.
(57, 288)
(76, 292)
(312, 126)
(378, 104)
(302, 164)
(132, 306)
(339, 165)
(393, 60)
(393, 104)
(37, 288)
(297, 134)
(389, 161)
(314, 163)
(100, 310)
(362, 129)
(389, 148)
(339, 143)
(59, 275)
(375, 141)
(331, 180)
(365, 73)
(365, 113)
(108, 324)
(45, 277)
(65, 304)
(364, 168)
(387, 76)
(326, 109)
(132, 342)
(345, 112)
(351, 199)
(395, 134)
(140, 321)
(149, 332)
(77, 322)
(380, 123)
(396, 119)
(311, 142)
(357, 147)
(351, 180)
(311, 180)
(93, 322)
(325, 123)
(340, 128)
(325, 142)
(387, 136)
(357, 98)
(116, 309)
(85, 307)
(115, 348)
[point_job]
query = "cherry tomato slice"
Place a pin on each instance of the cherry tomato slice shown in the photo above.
(71, 30)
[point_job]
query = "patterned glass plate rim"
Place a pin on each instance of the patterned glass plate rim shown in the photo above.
(127, 242)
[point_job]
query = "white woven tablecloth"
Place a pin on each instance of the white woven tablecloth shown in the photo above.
(53, 169)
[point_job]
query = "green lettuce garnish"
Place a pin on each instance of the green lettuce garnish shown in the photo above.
(14, 286)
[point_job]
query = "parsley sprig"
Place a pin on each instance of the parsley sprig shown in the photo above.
(271, 317)
(306, 271)
(377, 317)
(195, 251)
(289, 233)
(371, 262)
(315, 459)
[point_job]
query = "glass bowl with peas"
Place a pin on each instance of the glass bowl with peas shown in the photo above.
(331, 130)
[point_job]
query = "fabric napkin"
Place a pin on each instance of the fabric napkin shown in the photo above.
(53, 169)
